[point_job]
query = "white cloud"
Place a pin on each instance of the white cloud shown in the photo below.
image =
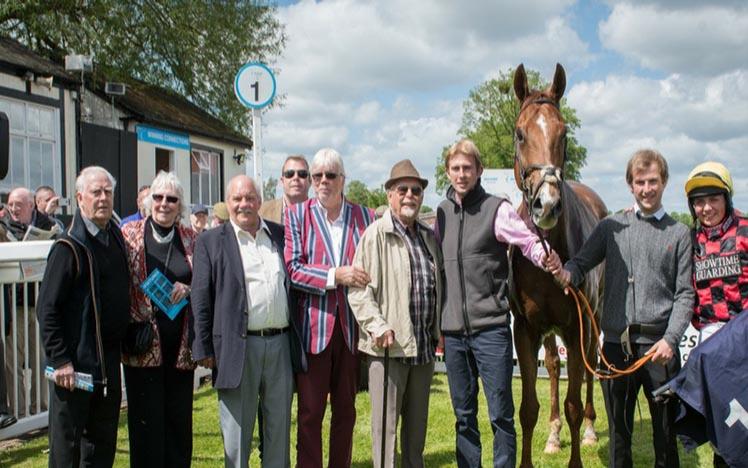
(382, 81)
(688, 119)
(703, 39)
(343, 49)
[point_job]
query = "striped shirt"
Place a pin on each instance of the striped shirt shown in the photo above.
(422, 293)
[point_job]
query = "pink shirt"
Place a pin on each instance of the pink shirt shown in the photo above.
(510, 228)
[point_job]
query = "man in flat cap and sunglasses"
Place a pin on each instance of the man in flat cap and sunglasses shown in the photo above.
(295, 181)
(399, 311)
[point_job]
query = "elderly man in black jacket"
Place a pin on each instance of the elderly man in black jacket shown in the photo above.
(83, 311)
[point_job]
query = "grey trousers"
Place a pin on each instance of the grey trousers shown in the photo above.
(267, 372)
(408, 393)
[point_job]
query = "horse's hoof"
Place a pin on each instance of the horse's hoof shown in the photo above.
(552, 447)
(590, 438)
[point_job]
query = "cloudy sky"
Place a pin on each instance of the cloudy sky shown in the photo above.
(384, 80)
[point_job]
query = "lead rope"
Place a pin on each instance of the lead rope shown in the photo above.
(612, 371)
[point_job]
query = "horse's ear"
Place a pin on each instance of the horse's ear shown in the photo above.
(520, 83)
(559, 83)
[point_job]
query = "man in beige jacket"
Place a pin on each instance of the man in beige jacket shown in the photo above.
(400, 309)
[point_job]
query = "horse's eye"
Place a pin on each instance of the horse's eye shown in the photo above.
(519, 136)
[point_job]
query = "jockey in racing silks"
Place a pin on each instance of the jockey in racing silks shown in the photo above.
(720, 257)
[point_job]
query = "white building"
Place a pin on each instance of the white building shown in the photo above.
(58, 126)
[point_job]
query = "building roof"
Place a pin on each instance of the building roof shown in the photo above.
(146, 103)
(18, 57)
(164, 108)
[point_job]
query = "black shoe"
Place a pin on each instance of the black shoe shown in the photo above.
(6, 420)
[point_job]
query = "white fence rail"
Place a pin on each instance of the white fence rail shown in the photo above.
(21, 269)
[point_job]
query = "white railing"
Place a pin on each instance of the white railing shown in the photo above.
(21, 269)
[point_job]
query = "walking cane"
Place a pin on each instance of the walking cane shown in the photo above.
(384, 405)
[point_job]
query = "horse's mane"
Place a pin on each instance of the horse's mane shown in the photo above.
(579, 222)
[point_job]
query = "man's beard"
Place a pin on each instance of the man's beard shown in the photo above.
(408, 212)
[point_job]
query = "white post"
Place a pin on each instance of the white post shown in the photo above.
(256, 146)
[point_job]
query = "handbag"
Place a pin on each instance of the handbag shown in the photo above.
(138, 338)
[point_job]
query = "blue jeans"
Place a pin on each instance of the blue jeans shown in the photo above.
(486, 354)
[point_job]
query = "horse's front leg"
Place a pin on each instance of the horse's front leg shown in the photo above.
(527, 345)
(553, 365)
(590, 437)
(573, 403)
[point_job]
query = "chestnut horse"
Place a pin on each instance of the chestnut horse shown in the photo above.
(564, 213)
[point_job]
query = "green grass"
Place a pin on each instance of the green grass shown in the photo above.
(208, 447)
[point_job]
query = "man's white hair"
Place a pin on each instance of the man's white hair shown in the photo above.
(166, 180)
(327, 157)
(257, 186)
(22, 192)
(87, 173)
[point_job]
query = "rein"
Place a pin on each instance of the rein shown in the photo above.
(612, 371)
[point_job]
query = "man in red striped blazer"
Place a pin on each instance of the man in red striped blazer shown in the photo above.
(321, 238)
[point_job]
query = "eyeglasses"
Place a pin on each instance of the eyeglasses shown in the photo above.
(416, 190)
(328, 175)
(158, 197)
(288, 174)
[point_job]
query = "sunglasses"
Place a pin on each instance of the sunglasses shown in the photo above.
(158, 197)
(290, 173)
(416, 190)
(328, 175)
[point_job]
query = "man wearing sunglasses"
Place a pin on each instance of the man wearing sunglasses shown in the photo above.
(321, 238)
(399, 311)
(295, 181)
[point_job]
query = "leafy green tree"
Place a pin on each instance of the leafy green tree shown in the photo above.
(268, 190)
(193, 48)
(426, 209)
(357, 192)
(488, 118)
(684, 218)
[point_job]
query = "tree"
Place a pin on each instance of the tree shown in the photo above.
(268, 190)
(357, 192)
(684, 218)
(488, 118)
(194, 48)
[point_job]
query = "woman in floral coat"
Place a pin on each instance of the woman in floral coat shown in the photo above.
(157, 360)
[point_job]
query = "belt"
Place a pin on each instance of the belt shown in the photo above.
(267, 331)
(647, 329)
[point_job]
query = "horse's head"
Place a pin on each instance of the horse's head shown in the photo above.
(540, 147)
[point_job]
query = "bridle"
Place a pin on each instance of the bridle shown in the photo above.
(549, 172)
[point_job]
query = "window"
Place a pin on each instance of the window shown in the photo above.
(34, 145)
(164, 160)
(205, 177)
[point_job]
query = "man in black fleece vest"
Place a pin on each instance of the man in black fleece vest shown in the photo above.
(83, 312)
(475, 229)
(647, 305)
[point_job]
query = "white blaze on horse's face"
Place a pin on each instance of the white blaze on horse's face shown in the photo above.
(543, 126)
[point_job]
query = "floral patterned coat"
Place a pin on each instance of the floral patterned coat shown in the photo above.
(141, 309)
